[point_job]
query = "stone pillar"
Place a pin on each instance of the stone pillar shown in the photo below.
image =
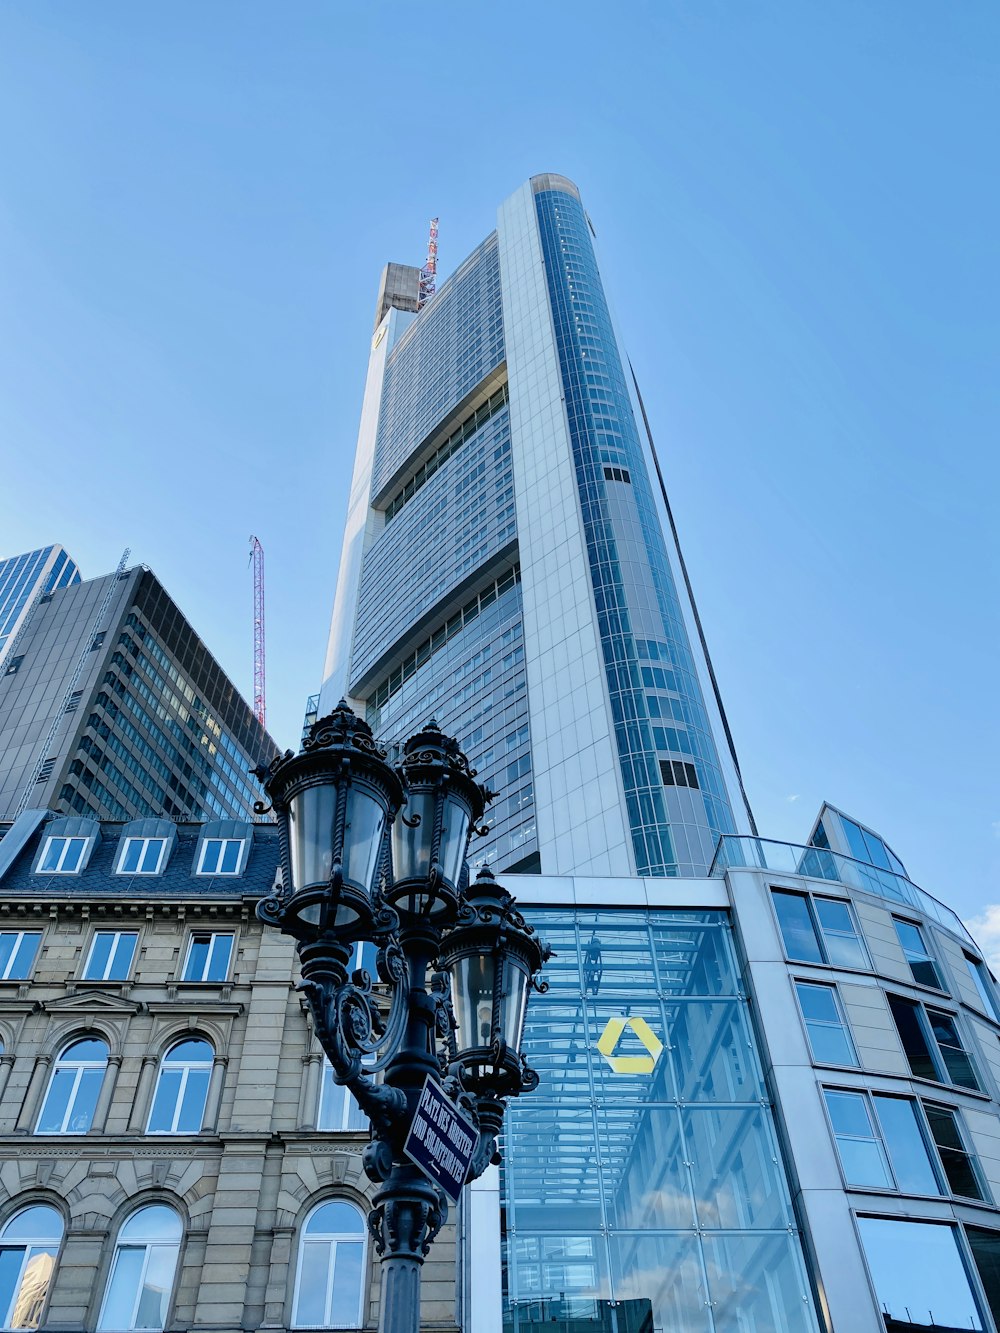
(213, 1101)
(278, 1279)
(33, 1097)
(143, 1094)
(106, 1094)
(308, 1117)
(6, 1065)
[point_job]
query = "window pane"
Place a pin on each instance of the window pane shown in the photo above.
(151, 856)
(10, 1267)
(27, 1311)
(56, 1102)
(157, 1222)
(911, 1034)
(756, 1285)
(100, 956)
(193, 1101)
(121, 963)
(978, 974)
(986, 1252)
(218, 966)
(796, 927)
(347, 1281)
(50, 859)
(314, 1268)
(39, 1223)
(830, 1045)
(906, 1146)
(85, 1101)
(74, 854)
(157, 1282)
(123, 1288)
(958, 1165)
(843, 947)
(17, 953)
(133, 851)
(818, 1002)
(828, 1035)
(918, 1274)
(168, 1086)
(210, 856)
(231, 857)
(861, 1154)
(197, 958)
(956, 1062)
(922, 966)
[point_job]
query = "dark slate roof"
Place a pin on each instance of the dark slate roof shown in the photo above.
(22, 840)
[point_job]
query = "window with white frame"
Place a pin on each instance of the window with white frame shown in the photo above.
(329, 1283)
(181, 1089)
(220, 856)
(829, 1036)
(17, 953)
(142, 856)
(819, 930)
(143, 1269)
(62, 856)
(29, 1245)
(338, 1111)
(110, 956)
(75, 1085)
(208, 956)
(923, 968)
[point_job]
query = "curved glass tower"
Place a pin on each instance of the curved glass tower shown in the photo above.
(507, 565)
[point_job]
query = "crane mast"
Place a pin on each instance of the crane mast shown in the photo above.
(428, 274)
(259, 700)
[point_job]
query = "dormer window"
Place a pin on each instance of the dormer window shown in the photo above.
(142, 856)
(220, 856)
(63, 856)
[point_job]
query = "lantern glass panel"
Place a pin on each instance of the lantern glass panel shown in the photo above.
(411, 847)
(472, 978)
(454, 838)
(363, 837)
(311, 815)
(513, 1002)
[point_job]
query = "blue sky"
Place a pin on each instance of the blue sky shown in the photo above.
(797, 210)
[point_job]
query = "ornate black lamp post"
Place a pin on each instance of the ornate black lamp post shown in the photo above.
(340, 810)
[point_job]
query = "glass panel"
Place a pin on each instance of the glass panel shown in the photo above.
(151, 856)
(100, 955)
(74, 855)
(210, 856)
(121, 963)
(757, 1285)
(197, 959)
(644, 1169)
(956, 1061)
(818, 1002)
(10, 1267)
(310, 836)
(959, 1168)
(736, 1180)
(629, 1061)
(154, 1223)
(552, 1165)
(861, 1154)
(130, 858)
(711, 1051)
(193, 1100)
(168, 1087)
(17, 954)
(362, 838)
(922, 966)
(911, 1034)
(985, 1247)
(831, 1045)
(843, 946)
(53, 851)
(454, 837)
(558, 1277)
(189, 1051)
(335, 1218)
(157, 1282)
(57, 1101)
(39, 1223)
(617, 957)
(796, 927)
(123, 1288)
(35, 1280)
(855, 839)
(472, 995)
(85, 1101)
(978, 974)
(347, 1274)
(314, 1270)
(218, 964)
(231, 856)
(907, 1148)
(918, 1274)
(513, 1003)
(663, 1282)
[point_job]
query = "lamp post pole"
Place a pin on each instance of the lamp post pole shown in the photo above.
(377, 854)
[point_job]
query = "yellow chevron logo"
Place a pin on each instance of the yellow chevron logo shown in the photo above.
(630, 1064)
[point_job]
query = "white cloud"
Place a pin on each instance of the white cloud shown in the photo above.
(985, 930)
(789, 799)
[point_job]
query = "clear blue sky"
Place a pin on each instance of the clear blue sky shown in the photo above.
(797, 211)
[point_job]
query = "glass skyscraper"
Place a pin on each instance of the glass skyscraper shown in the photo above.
(24, 578)
(769, 1073)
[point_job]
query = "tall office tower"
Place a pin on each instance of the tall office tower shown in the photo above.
(768, 1093)
(507, 564)
(25, 578)
(113, 706)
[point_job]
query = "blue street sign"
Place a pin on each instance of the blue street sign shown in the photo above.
(441, 1140)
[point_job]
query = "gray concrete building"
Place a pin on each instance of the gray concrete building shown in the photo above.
(173, 1151)
(113, 706)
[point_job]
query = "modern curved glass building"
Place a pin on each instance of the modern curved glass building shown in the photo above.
(769, 1074)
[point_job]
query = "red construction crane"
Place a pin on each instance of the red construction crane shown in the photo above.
(259, 702)
(428, 274)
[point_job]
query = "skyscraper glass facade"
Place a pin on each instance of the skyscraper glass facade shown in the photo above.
(22, 578)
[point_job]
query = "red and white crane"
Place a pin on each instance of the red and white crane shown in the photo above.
(259, 700)
(428, 274)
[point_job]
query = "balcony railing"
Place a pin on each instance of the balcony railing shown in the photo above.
(787, 858)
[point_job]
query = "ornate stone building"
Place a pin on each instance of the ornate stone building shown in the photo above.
(166, 1159)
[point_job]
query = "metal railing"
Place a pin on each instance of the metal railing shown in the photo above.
(787, 858)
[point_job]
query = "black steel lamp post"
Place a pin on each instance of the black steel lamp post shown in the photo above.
(369, 853)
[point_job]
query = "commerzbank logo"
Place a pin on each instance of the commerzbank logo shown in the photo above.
(608, 1041)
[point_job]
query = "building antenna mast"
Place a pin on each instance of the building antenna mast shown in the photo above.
(428, 274)
(257, 559)
(68, 703)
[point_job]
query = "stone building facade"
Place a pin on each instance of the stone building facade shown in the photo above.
(162, 1163)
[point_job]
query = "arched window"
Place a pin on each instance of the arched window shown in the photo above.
(142, 1271)
(330, 1279)
(74, 1087)
(181, 1089)
(29, 1244)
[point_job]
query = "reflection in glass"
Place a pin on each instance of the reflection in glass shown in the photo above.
(181, 1089)
(647, 1181)
(666, 1272)
(826, 1025)
(73, 1089)
(142, 1271)
(736, 1180)
(711, 1052)
(757, 1284)
(906, 1144)
(797, 931)
(328, 1287)
(918, 1274)
(29, 1244)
